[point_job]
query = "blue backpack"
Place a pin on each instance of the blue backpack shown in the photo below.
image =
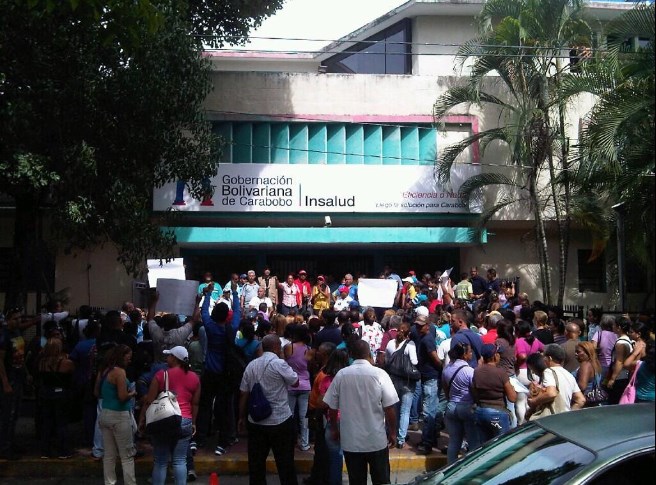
(259, 407)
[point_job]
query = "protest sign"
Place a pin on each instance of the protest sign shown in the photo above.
(177, 296)
(377, 292)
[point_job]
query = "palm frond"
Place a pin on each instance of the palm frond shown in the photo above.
(481, 180)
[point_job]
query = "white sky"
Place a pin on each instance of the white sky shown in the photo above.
(317, 19)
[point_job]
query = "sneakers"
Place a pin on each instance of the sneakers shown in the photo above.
(193, 447)
(424, 449)
(413, 427)
(400, 446)
(191, 476)
(303, 448)
(219, 451)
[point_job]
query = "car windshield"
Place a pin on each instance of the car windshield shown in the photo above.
(528, 455)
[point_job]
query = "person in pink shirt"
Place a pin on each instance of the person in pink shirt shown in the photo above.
(525, 345)
(290, 296)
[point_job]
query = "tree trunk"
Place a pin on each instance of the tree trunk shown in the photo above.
(540, 241)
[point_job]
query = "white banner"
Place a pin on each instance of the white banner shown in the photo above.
(377, 292)
(159, 268)
(261, 187)
(177, 296)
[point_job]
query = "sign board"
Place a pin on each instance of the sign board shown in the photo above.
(159, 268)
(377, 292)
(259, 187)
(177, 296)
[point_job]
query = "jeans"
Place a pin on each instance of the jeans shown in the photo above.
(175, 451)
(214, 386)
(10, 405)
(98, 450)
(460, 422)
(335, 458)
(118, 441)
(286, 309)
(263, 438)
(491, 422)
(429, 411)
(301, 397)
(404, 405)
(379, 467)
(416, 400)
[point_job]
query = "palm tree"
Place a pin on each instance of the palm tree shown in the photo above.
(616, 161)
(516, 68)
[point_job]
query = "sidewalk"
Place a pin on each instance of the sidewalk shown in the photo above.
(235, 462)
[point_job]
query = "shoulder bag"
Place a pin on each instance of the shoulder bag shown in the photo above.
(554, 407)
(597, 395)
(163, 416)
(629, 394)
(400, 365)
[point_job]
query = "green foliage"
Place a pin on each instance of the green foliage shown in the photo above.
(100, 102)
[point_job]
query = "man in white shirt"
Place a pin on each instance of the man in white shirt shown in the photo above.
(260, 298)
(364, 397)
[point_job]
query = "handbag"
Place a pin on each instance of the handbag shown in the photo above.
(400, 365)
(163, 416)
(597, 394)
(629, 394)
(554, 407)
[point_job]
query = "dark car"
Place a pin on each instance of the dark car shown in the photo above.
(601, 445)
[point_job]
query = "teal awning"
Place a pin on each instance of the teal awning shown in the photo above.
(329, 235)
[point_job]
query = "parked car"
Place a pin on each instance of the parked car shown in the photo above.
(611, 445)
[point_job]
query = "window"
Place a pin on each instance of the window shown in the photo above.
(636, 276)
(327, 143)
(592, 274)
(387, 52)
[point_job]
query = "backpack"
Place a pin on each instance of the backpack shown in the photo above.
(259, 407)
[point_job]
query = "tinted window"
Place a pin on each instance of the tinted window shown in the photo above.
(528, 455)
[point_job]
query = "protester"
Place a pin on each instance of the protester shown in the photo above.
(297, 354)
(430, 368)
(619, 376)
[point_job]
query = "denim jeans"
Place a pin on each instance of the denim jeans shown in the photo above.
(118, 441)
(284, 309)
(403, 406)
(301, 397)
(429, 411)
(460, 422)
(174, 450)
(491, 422)
(416, 401)
(335, 458)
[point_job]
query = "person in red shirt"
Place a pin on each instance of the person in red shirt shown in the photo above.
(492, 319)
(305, 291)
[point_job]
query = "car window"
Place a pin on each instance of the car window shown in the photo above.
(528, 455)
(626, 471)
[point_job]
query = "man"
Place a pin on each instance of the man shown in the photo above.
(256, 301)
(365, 398)
(208, 279)
(461, 319)
(305, 291)
(464, 289)
(331, 331)
(276, 432)
(492, 319)
(352, 287)
(408, 291)
(479, 285)
(270, 285)
(214, 381)
(572, 333)
(171, 333)
(249, 290)
(493, 283)
(236, 282)
(430, 368)
(12, 379)
(562, 391)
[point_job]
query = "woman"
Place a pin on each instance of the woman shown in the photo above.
(186, 386)
(404, 387)
(251, 346)
(643, 354)
(491, 388)
(459, 416)
(320, 296)
(505, 342)
(526, 345)
(336, 362)
(589, 373)
(55, 388)
(297, 355)
(594, 318)
(495, 304)
(557, 328)
(604, 341)
(372, 332)
(619, 376)
(289, 296)
(115, 420)
(536, 367)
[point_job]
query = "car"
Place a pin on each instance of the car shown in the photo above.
(600, 445)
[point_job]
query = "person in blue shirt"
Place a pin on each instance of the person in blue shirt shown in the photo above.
(461, 319)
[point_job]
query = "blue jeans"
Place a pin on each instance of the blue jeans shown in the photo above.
(430, 403)
(416, 399)
(460, 422)
(98, 449)
(491, 422)
(335, 458)
(301, 397)
(174, 450)
(404, 406)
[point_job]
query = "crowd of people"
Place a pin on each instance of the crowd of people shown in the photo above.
(295, 363)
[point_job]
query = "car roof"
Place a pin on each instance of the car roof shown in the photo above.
(604, 426)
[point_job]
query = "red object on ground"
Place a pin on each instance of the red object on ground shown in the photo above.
(214, 479)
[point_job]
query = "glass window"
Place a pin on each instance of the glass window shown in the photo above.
(528, 455)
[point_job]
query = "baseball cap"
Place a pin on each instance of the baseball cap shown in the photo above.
(408, 279)
(421, 320)
(302, 272)
(343, 289)
(488, 351)
(321, 277)
(243, 275)
(179, 352)
(421, 311)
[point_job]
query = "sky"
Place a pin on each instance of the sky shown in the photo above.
(317, 19)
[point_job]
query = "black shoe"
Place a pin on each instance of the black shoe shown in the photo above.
(424, 449)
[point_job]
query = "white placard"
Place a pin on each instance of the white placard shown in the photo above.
(377, 292)
(260, 187)
(177, 296)
(159, 268)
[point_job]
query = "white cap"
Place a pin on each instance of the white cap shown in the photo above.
(178, 352)
(421, 310)
(409, 279)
